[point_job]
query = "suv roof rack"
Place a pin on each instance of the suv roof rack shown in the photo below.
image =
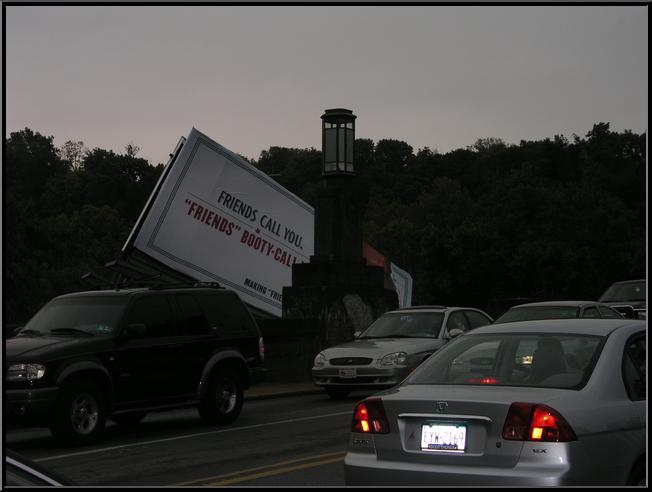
(212, 285)
(433, 306)
(186, 285)
(153, 282)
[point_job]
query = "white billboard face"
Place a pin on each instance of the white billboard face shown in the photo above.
(217, 218)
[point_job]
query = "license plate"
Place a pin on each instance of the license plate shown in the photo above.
(347, 373)
(443, 437)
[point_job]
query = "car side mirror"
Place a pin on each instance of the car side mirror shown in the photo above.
(454, 333)
(134, 330)
(357, 334)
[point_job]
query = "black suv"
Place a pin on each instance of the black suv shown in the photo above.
(87, 356)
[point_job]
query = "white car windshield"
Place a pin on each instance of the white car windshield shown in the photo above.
(405, 325)
(633, 291)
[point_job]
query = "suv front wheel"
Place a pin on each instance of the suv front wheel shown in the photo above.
(80, 414)
(223, 400)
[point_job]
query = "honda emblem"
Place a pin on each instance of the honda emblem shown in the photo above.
(441, 406)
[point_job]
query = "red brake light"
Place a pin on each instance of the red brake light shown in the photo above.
(483, 381)
(261, 348)
(369, 417)
(536, 422)
(549, 426)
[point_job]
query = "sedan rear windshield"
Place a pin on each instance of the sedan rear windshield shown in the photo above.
(513, 359)
(78, 316)
(404, 325)
(538, 312)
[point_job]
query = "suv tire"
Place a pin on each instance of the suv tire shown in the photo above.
(128, 419)
(224, 397)
(80, 413)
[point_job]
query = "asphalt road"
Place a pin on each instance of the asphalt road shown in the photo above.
(285, 441)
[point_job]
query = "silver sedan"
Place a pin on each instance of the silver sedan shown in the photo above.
(533, 403)
(391, 347)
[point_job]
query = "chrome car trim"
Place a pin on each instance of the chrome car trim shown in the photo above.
(439, 416)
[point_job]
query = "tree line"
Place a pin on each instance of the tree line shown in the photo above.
(482, 226)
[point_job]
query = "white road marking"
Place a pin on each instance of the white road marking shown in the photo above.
(176, 438)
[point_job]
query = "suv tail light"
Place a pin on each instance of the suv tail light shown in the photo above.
(536, 422)
(261, 348)
(369, 417)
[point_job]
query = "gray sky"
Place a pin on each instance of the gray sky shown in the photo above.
(258, 76)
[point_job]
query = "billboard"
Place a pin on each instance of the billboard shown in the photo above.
(218, 218)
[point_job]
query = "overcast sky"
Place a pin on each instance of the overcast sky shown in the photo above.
(259, 76)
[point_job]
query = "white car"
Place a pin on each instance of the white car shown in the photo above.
(391, 348)
(533, 403)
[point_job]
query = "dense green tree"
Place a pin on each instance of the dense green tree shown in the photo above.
(484, 225)
(392, 154)
(64, 216)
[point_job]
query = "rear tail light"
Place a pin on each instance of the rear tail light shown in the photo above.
(261, 348)
(369, 417)
(536, 422)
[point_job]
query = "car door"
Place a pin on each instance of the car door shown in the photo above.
(147, 365)
(476, 318)
(590, 312)
(607, 312)
(197, 337)
(457, 320)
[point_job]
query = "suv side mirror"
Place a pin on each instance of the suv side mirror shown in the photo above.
(134, 330)
(357, 334)
(454, 333)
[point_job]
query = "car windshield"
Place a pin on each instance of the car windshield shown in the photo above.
(538, 312)
(512, 359)
(634, 291)
(75, 317)
(405, 325)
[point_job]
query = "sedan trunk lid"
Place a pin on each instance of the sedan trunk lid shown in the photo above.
(462, 425)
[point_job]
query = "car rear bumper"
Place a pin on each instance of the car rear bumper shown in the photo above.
(366, 469)
(30, 404)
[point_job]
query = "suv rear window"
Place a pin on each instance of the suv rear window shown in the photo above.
(534, 360)
(190, 318)
(228, 314)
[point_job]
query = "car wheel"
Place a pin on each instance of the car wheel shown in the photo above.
(128, 419)
(223, 400)
(637, 477)
(337, 393)
(79, 415)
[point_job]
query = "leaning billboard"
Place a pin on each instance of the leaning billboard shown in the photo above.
(217, 218)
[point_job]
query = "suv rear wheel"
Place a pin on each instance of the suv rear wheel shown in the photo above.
(223, 400)
(80, 413)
